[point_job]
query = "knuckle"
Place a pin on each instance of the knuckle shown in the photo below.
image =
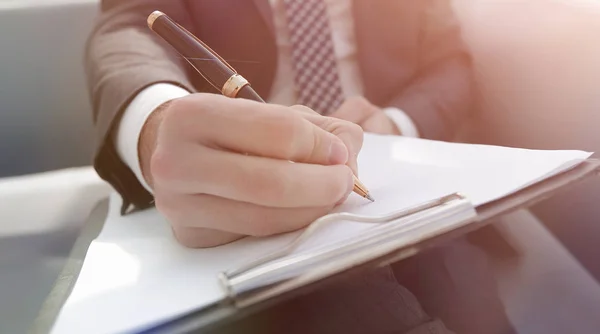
(286, 133)
(174, 111)
(163, 165)
(288, 125)
(180, 110)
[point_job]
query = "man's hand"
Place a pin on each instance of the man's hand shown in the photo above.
(370, 118)
(220, 168)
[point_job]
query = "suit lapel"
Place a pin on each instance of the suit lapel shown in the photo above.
(264, 7)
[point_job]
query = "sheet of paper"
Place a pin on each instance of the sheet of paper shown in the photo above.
(136, 275)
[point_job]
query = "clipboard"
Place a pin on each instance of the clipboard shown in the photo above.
(256, 285)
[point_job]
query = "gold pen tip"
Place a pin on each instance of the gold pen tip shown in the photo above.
(367, 196)
(155, 15)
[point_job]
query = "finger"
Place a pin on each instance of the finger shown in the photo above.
(350, 133)
(258, 129)
(352, 136)
(203, 237)
(355, 110)
(220, 215)
(194, 169)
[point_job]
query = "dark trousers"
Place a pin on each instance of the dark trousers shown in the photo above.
(455, 283)
(448, 289)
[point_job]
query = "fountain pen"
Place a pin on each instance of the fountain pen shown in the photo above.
(216, 70)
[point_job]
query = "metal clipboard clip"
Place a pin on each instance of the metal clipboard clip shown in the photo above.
(283, 270)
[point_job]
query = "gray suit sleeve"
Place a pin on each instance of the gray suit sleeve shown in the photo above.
(122, 57)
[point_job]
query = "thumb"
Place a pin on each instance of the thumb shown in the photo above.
(314, 144)
(349, 133)
(324, 148)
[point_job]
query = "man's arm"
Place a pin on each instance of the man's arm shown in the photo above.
(440, 96)
(122, 58)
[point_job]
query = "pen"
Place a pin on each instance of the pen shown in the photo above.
(213, 68)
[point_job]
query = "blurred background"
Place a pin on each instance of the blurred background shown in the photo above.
(537, 66)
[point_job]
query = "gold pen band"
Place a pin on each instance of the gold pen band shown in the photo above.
(361, 190)
(233, 85)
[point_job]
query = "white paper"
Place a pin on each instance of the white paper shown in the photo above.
(136, 275)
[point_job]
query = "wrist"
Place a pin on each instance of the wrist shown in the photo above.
(135, 119)
(148, 139)
(402, 121)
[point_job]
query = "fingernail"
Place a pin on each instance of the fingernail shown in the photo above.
(338, 153)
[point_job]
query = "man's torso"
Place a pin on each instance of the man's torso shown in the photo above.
(377, 51)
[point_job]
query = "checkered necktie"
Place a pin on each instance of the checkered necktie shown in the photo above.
(316, 74)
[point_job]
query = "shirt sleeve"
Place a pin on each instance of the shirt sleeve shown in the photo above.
(404, 123)
(133, 121)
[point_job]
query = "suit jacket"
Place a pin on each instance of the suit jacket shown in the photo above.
(410, 55)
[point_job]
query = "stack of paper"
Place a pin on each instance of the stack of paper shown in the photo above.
(136, 275)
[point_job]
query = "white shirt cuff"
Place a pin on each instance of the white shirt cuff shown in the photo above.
(133, 121)
(406, 126)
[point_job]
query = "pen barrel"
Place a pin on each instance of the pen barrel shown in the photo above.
(198, 54)
(248, 93)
